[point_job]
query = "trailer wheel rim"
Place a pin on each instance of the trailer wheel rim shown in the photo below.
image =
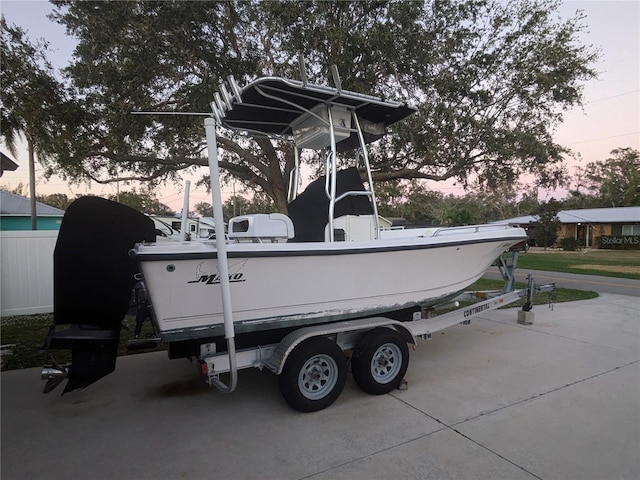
(386, 363)
(318, 376)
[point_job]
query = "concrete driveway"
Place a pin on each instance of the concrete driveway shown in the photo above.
(559, 399)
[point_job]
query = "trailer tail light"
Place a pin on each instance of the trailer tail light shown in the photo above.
(204, 368)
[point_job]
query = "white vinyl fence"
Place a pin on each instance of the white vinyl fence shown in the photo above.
(26, 265)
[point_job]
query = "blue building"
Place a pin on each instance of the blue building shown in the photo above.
(15, 214)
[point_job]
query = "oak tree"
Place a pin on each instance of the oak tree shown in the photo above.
(490, 80)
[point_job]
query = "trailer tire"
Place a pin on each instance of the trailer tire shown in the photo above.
(314, 375)
(380, 360)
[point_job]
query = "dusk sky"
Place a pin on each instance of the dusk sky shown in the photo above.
(609, 119)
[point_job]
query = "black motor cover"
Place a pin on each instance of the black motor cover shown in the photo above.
(93, 279)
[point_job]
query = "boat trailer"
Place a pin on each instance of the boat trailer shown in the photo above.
(310, 361)
(311, 364)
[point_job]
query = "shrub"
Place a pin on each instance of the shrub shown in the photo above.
(569, 244)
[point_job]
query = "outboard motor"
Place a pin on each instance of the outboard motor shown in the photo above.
(93, 280)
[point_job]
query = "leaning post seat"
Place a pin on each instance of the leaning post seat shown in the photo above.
(352, 228)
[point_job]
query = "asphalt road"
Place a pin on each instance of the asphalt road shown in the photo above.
(618, 286)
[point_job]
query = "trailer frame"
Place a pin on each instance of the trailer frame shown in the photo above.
(347, 335)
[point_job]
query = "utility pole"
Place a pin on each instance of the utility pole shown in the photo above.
(233, 183)
(32, 185)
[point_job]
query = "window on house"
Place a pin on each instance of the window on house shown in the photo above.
(631, 230)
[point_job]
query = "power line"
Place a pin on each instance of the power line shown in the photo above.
(612, 96)
(603, 138)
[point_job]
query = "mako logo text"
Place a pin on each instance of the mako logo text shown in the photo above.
(235, 274)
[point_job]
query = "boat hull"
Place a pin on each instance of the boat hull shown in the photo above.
(286, 285)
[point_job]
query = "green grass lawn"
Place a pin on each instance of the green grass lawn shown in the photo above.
(610, 263)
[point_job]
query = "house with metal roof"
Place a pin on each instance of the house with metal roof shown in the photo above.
(586, 225)
(15, 214)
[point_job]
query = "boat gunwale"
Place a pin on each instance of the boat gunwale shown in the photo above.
(315, 252)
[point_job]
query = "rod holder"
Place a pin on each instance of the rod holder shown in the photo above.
(336, 78)
(303, 70)
(235, 88)
(225, 96)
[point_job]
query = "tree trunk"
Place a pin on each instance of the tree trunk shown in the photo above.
(280, 201)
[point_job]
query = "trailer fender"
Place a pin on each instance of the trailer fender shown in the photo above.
(345, 334)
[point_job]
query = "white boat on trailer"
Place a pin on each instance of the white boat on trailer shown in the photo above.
(277, 285)
(289, 292)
